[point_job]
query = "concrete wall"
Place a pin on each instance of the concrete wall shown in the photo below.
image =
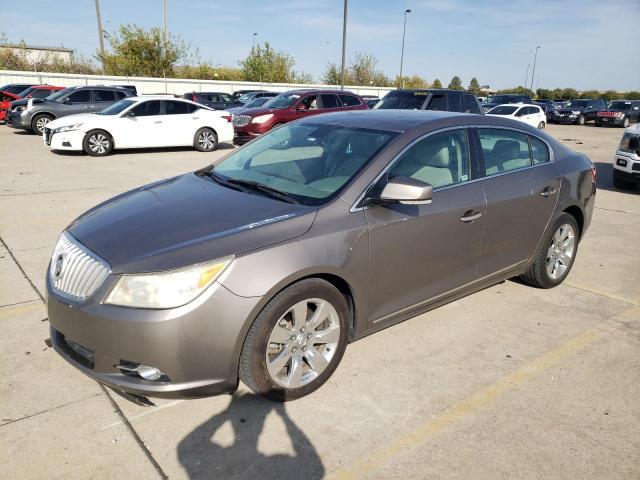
(168, 85)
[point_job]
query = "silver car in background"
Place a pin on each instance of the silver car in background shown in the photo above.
(264, 266)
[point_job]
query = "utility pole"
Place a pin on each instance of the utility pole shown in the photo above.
(526, 77)
(537, 82)
(164, 21)
(535, 57)
(253, 45)
(100, 34)
(344, 44)
(404, 29)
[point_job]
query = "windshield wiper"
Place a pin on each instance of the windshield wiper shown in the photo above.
(219, 179)
(262, 188)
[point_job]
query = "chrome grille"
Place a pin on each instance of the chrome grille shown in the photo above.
(241, 120)
(76, 272)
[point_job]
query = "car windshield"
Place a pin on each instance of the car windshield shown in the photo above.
(257, 102)
(245, 98)
(59, 94)
(26, 92)
(402, 100)
(117, 107)
(283, 100)
(502, 110)
(310, 163)
(620, 106)
(501, 99)
(576, 104)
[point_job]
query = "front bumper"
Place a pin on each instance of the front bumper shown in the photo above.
(197, 346)
(564, 118)
(18, 120)
(241, 137)
(617, 121)
(627, 168)
(71, 140)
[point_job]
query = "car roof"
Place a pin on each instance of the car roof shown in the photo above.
(412, 90)
(304, 91)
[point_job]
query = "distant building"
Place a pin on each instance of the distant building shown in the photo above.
(37, 53)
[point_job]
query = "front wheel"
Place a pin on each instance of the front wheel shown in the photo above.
(97, 143)
(39, 122)
(556, 254)
(625, 122)
(580, 120)
(296, 342)
(205, 140)
(541, 126)
(619, 183)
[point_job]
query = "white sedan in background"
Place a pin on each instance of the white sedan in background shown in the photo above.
(141, 122)
(531, 114)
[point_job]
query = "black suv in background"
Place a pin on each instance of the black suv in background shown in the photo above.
(495, 100)
(215, 100)
(620, 113)
(430, 99)
(38, 112)
(578, 111)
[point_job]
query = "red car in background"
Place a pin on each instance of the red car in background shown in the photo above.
(290, 106)
(36, 91)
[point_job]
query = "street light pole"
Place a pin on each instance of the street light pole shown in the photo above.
(344, 44)
(164, 21)
(533, 74)
(404, 29)
(100, 34)
(253, 45)
(526, 77)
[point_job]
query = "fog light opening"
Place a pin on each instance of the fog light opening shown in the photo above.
(149, 373)
(143, 371)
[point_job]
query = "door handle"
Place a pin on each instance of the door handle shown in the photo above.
(547, 192)
(195, 118)
(469, 216)
(158, 121)
(88, 106)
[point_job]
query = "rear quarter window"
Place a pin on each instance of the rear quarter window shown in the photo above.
(349, 100)
(470, 104)
(539, 151)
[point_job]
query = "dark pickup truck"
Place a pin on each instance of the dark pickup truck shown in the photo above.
(620, 113)
(579, 112)
(430, 99)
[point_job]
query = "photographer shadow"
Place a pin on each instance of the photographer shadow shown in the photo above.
(204, 458)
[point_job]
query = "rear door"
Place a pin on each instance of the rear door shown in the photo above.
(102, 99)
(179, 123)
(421, 252)
(521, 186)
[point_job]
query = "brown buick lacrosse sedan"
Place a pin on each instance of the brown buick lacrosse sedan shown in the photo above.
(265, 265)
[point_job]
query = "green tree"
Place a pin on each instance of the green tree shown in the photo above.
(362, 71)
(135, 51)
(474, 86)
(264, 64)
(590, 94)
(437, 83)
(205, 71)
(456, 83)
(414, 81)
(611, 95)
(517, 90)
(331, 75)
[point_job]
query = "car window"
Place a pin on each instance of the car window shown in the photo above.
(405, 100)
(455, 103)
(503, 150)
(329, 101)
(470, 104)
(146, 109)
(225, 98)
(349, 100)
(120, 95)
(103, 96)
(539, 151)
(178, 108)
(438, 102)
(82, 96)
(40, 93)
(441, 159)
(310, 102)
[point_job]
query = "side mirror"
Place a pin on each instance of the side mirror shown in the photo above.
(66, 100)
(404, 190)
(130, 114)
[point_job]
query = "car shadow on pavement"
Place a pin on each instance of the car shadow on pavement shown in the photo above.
(142, 151)
(605, 179)
(204, 458)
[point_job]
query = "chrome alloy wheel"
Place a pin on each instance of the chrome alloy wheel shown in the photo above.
(302, 343)
(98, 143)
(206, 140)
(560, 253)
(41, 123)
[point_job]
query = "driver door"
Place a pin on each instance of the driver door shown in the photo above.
(422, 252)
(140, 126)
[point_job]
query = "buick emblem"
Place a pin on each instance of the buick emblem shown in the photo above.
(59, 264)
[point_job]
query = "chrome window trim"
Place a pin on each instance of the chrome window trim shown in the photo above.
(354, 207)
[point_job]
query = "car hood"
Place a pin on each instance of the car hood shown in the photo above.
(185, 220)
(17, 103)
(570, 109)
(71, 120)
(254, 112)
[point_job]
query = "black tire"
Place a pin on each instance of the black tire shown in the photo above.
(253, 360)
(537, 275)
(625, 122)
(97, 143)
(38, 122)
(580, 120)
(621, 184)
(205, 140)
(541, 126)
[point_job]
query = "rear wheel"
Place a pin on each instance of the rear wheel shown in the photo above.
(296, 342)
(205, 140)
(97, 143)
(580, 120)
(556, 254)
(39, 122)
(625, 122)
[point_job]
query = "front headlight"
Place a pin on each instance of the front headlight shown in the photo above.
(67, 128)
(19, 108)
(166, 289)
(576, 112)
(262, 118)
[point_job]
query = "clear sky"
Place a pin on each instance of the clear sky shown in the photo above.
(584, 43)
